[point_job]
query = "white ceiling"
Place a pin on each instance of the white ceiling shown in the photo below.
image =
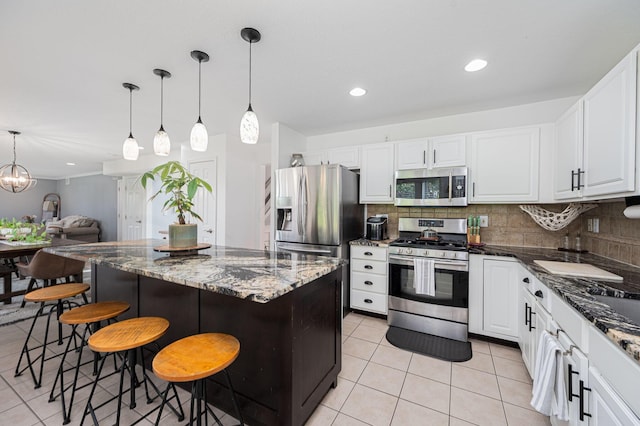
(63, 63)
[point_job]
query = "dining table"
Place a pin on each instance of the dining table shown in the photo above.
(13, 249)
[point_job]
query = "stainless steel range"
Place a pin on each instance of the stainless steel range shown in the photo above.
(437, 248)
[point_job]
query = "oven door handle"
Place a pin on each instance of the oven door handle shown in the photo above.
(451, 265)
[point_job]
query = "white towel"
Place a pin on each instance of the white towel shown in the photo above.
(424, 276)
(549, 391)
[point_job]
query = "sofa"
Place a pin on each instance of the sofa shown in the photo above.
(75, 227)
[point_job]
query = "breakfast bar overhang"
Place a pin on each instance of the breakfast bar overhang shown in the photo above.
(285, 309)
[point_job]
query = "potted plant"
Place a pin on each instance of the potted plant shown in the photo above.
(180, 186)
(28, 232)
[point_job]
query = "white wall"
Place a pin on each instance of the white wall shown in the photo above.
(521, 115)
(285, 141)
(243, 211)
(146, 162)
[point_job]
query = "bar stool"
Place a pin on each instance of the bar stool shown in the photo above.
(128, 337)
(60, 294)
(49, 268)
(90, 316)
(194, 359)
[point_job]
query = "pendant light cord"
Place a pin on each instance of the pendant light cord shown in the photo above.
(199, 87)
(14, 149)
(250, 43)
(161, 101)
(130, 110)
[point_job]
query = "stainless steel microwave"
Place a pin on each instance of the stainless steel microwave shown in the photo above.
(435, 187)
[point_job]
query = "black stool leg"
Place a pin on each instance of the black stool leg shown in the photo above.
(233, 397)
(25, 347)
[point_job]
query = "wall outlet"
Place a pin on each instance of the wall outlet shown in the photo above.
(590, 225)
(484, 221)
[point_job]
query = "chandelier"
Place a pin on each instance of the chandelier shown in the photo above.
(14, 177)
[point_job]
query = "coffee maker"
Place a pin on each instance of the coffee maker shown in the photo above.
(377, 228)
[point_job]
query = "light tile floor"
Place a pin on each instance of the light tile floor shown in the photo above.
(379, 385)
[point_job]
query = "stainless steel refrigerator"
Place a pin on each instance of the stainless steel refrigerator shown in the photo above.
(318, 213)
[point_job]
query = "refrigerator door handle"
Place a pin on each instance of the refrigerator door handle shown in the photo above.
(304, 200)
(299, 212)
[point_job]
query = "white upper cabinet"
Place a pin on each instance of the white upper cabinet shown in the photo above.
(504, 165)
(567, 154)
(610, 131)
(442, 151)
(376, 174)
(595, 140)
(412, 154)
(347, 156)
(448, 151)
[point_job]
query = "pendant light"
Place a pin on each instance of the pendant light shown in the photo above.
(199, 136)
(161, 142)
(249, 126)
(130, 149)
(14, 177)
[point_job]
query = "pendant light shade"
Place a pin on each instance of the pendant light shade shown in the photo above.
(161, 142)
(13, 177)
(199, 136)
(130, 149)
(249, 126)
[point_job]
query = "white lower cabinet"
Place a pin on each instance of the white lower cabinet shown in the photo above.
(493, 296)
(369, 283)
(605, 406)
(500, 312)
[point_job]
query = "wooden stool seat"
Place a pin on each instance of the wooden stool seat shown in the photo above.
(93, 312)
(196, 357)
(56, 292)
(128, 334)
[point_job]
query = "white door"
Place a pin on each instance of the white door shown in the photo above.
(205, 202)
(134, 210)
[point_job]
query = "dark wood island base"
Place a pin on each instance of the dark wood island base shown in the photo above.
(290, 347)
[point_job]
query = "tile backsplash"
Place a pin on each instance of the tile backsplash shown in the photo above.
(619, 237)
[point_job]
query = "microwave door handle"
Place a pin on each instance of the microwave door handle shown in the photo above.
(450, 184)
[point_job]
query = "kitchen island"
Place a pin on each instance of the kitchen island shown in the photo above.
(285, 309)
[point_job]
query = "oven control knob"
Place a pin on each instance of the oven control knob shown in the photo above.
(409, 251)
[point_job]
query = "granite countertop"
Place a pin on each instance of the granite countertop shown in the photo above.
(369, 243)
(255, 275)
(578, 292)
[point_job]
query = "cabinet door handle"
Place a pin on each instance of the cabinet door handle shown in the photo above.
(580, 173)
(424, 156)
(525, 280)
(389, 191)
(531, 327)
(368, 267)
(434, 156)
(368, 301)
(368, 283)
(368, 253)
(582, 412)
(473, 189)
(570, 374)
(573, 174)
(526, 313)
(539, 294)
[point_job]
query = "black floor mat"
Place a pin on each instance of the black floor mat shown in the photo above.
(427, 344)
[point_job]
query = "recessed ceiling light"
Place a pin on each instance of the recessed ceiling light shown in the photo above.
(357, 91)
(140, 147)
(475, 65)
(71, 164)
